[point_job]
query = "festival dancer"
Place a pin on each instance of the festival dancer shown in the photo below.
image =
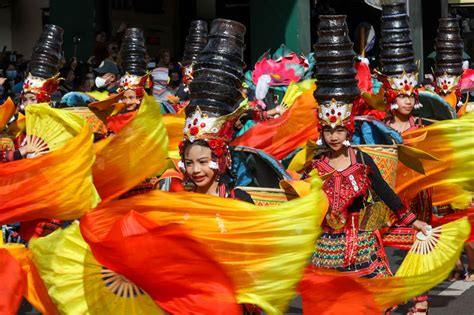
(134, 80)
(42, 81)
(211, 113)
(399, 75)
(350, 176)
(448, 73)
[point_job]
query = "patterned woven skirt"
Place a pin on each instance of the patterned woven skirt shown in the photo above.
(357, 252)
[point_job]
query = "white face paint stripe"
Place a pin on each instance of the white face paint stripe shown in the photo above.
(213, 165)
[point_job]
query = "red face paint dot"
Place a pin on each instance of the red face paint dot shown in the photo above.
(203, 125)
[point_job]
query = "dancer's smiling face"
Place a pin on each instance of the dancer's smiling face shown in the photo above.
(197, 159)
(335, 137)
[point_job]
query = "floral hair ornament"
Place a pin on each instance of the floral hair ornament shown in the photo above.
(43, 68)
(336, 75)
(446, 83)
(41, 88)
(335, 113)
(201, 125)
(398, 70)
(133, 82)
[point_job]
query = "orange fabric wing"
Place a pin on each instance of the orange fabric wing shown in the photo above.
(57, 185)
(279, 137)
(138, 151)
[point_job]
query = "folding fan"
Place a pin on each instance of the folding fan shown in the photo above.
(78, 284)
(428, 251)
(48, 129)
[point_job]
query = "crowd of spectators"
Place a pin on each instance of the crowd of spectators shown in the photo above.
(101, 71)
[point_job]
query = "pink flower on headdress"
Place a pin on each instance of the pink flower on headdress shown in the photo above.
(280, 73)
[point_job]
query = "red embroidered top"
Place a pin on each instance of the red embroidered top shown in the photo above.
(348, 189)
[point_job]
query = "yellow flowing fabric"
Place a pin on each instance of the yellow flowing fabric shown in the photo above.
(78, 284)
(56, 185)
(138, 151)
(262, 249)
(36, 292)
(452, 142)
(174, 125)
(332, 292)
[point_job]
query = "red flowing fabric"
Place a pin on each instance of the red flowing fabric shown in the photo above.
(116, 123)
(364, 77)
(177, 271)
(329, 292)
(13, 283)
(279, 137)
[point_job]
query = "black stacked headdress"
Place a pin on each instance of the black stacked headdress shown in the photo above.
(334, 54)
(46, 55)
(219, 69)
(195, 41)
(396, 53)
(449, 48)
(133, 52)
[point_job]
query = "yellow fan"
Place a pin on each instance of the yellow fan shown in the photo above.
(440, 248)
(78, 284)
(48, 129)
(293, 92)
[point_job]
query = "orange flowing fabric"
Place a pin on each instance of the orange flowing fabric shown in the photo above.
(36, 292)
(55, 185)
(262, 249)
(7, 109)
(13, 283)
(331, 292)
(138, 151)
(187, 279)
(279, 137)
(451, 141)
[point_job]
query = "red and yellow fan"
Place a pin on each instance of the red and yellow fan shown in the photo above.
(254, 245)
(62, 178)
(48, 129)
(78, 284)
(428, 263)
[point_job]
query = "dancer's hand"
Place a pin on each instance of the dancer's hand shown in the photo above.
(420, 226)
